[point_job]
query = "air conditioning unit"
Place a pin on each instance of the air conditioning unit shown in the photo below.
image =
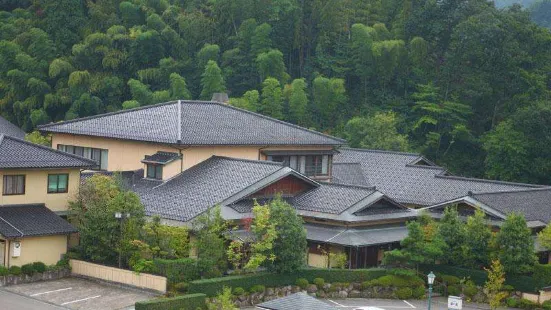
(16, 251)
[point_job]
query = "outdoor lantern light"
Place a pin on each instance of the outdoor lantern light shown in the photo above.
(118, 215)
(430, 280)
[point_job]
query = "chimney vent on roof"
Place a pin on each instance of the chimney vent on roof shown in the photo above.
(221, 97)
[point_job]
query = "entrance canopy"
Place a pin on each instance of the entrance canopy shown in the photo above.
(344, 236)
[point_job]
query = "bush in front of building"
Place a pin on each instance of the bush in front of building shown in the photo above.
(211, 287)
(27, 269)
(39, 267)
(185, 302)
(15, 270)
(177, 270)
(302, 283)
(4, 271)
(404, 293)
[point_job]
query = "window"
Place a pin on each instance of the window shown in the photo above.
(14, 185)
(58, 183)
(99, 155)
(310, 165)
(154, 171)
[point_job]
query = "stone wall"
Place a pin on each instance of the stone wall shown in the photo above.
(45, 276)
(333, 291)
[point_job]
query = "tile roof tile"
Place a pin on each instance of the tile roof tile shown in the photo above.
(10, 129)
(534, 204)
(31, 220)
(202, 123)
(17, 153)
(395, 175)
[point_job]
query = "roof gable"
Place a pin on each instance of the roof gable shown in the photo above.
(200, 123)
(383, 205)
(10, 129)
(16, 154)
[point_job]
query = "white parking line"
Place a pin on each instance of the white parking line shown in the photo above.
(79, 300)
(412, 306)
(336, 303)
(54, 291)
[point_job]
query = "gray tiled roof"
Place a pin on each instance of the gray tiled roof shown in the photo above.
(331, 198)
(535, 204)
(298, 301)
(17, 153)
(31, 220)
(355, 236)
(327, 198)
(395, 175)
(10, 129)
(349, 173)
(161, 157)
(202, 186)
(202, 123)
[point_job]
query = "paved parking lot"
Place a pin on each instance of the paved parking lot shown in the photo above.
(77, 293)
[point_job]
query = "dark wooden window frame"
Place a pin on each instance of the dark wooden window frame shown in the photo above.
(4, 187)
(157, 173)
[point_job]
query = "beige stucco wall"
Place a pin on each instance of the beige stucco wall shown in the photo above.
(126, 155)
(46, 249)
(320, 261)
(117, 275)
(36, 188)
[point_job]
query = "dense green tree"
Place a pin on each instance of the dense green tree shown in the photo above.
(208, 229)
(272, 99)
(212, 81)
(329, 96)
(297, 99)
(477, 240)
(376, 132)
(453, 231)
(516, 245)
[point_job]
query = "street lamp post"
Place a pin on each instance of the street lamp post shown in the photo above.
(121, 217)
(430, 280)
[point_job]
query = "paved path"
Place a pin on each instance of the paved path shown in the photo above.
(12, 301)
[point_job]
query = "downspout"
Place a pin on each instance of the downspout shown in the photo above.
(7, 254)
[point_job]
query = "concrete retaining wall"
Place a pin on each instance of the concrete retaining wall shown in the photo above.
(116, 275)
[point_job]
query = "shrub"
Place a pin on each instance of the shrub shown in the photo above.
(397, 281)
(508, 288)
(15, 270)
(527, 304)
(181, 287)
(39, 267)
(546, 305)
(368, 284)
(450, 280)
(470, 291)
(511, 302)
(64, 262)
(418, 292)
(177, 270)
(191, 302)
(453, 290)
(4, 271)
(302, 283)
(238, 291)
(211, 287)
(27, 269)
(319, 282)
(542, 275)
(404, 293)
(258, 289)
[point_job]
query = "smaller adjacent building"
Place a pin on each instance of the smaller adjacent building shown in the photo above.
(296, 301)
(37, 183)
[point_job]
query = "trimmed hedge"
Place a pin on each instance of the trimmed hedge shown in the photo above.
(542, 275)
(184, 302)
(212, 287)
(177, 270)
(519, 282)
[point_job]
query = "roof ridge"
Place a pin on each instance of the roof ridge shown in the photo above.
(514, 191)
(51, 150)
(426, 167)
(40, 127)
(254, 161)
(489, 181)
(347, 163)
(374, 188)
(280, 121)
(381, 151)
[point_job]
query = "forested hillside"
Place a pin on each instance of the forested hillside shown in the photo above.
(463, 82)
